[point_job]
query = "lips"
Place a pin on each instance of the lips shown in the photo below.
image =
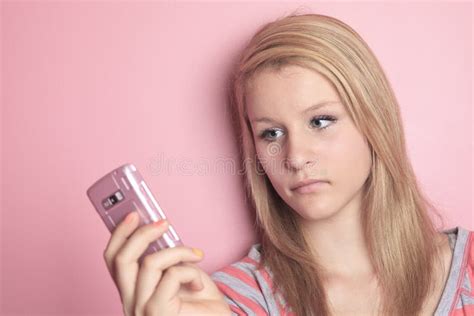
(306, 182)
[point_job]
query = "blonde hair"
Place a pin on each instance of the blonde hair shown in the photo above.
(398, 231)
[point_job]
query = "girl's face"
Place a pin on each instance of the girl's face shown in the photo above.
(302, 131)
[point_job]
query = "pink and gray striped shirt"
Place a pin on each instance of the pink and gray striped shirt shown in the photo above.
(249, 290)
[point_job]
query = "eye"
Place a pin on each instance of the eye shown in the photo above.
(327, 118)
(269, 134)
(265, 133)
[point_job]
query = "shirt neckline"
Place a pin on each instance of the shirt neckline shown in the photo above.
(459, 236)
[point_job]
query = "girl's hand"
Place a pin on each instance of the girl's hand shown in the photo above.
(167, 283)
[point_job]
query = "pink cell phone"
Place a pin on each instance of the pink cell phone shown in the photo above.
(124, 190)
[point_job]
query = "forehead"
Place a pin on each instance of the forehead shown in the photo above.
(292, 87)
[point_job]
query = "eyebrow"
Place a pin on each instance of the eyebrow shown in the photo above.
(311, 108)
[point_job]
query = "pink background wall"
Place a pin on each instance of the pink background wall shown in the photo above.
(87, 86)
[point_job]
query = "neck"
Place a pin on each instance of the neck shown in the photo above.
(338, 242)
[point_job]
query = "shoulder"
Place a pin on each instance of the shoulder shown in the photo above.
(247, 286)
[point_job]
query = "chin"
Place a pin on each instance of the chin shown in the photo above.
(316, 209)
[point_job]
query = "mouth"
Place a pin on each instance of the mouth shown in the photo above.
(309, 186)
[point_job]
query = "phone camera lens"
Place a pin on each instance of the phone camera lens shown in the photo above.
(113, 199)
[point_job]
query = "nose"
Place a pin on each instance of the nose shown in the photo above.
(300, 154)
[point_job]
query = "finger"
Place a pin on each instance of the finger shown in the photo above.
(152, 269)
(138, 242)
(126, 261)
(170, 283)
(119, 236)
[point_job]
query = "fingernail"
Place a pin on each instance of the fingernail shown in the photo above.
(160, 223)
(198, 252)
(129, 217)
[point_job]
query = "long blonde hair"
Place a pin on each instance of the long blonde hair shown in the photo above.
(400, 235)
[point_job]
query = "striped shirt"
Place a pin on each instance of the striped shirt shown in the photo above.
(248, 290)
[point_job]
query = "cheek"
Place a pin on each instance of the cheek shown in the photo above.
(269, 156)
(351, 159)
(262, 157)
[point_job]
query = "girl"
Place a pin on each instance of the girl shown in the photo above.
(344, 228)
